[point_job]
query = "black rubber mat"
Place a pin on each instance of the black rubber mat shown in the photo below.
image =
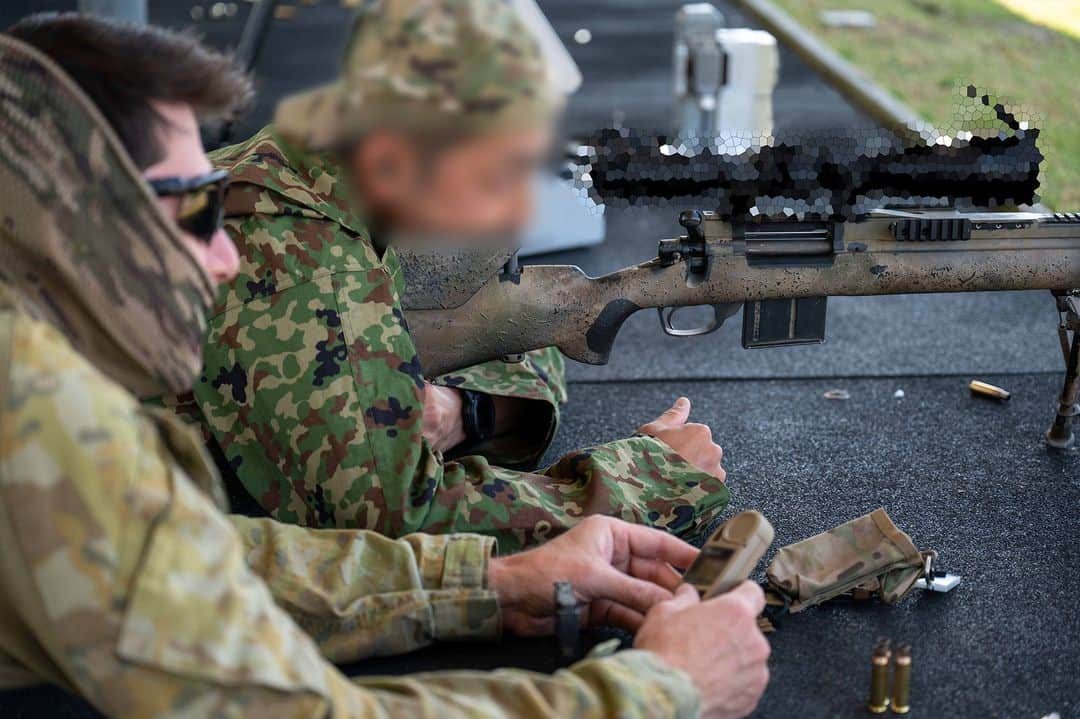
(967, 477)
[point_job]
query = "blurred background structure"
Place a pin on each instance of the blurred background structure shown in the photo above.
(966, 476)
(127, 10)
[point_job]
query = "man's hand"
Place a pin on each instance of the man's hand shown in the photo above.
(717, 642)
(442, 426)
(619, 570)
(692, 441)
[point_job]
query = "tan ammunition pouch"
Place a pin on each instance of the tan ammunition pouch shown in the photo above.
(866, 557)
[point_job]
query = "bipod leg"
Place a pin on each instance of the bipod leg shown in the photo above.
(1060, 435)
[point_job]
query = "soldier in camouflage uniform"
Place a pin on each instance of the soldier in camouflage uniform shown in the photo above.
(121, 578)
(312, 386)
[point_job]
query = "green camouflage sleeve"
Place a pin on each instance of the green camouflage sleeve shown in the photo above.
(315, 398)
(540, 377)
(313, 390)
(121, 581)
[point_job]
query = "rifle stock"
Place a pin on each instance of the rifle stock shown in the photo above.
(891, 252)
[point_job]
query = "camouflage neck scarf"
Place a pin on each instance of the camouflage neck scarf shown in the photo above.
(84, 244)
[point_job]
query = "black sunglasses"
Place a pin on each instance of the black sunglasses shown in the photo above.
(202, 201)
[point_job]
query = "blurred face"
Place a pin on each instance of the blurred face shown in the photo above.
(478, 186)
(183, 180)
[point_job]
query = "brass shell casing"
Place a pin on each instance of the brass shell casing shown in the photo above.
(879, 683)
(901, 689)
(988, 390)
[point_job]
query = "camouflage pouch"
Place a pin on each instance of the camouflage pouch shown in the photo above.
(863, 558)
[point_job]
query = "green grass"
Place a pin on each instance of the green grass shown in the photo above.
(921, 48)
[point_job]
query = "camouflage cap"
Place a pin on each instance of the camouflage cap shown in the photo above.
(85, 245)
(428, 65)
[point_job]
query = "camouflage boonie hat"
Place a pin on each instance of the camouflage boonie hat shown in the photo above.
(427, 65)
(85, 245)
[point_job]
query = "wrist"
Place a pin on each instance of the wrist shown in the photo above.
(455, 434)
(509, 580)
(501, 580)
(442, 417)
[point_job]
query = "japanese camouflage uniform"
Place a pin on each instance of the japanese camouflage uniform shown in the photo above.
(121, 579)
(312, 387)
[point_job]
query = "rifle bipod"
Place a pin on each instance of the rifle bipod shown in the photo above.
(1060, 435)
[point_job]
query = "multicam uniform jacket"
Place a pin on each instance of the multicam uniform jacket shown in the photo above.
(314, 393)
(121, 579)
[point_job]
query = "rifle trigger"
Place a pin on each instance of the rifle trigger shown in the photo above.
(720, 313)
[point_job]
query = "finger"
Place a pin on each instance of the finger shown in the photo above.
(632, 592)
(685, 597)
(749, 594)
(655, 571)
(649, 543)
(712, 455)
(717, 464)
(625, 618)
(712, 462)
(612, 614)
(675, 416)
(702, 432)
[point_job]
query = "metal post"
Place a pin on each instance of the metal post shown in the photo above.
(699, 69)
(127, 10)
(255, 31)
(247, 54)
(724, 78)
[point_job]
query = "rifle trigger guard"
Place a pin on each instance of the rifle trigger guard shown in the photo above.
(720, 313)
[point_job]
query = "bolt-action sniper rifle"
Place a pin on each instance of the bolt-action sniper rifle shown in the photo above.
(866, 235)
(476, 308)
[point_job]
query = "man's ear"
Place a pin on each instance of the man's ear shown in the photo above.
(386, 166)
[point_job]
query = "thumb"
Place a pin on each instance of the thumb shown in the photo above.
(671, 418)
(685, 596)
(750, 594)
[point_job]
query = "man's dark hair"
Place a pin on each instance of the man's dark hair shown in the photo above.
(122, 67)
